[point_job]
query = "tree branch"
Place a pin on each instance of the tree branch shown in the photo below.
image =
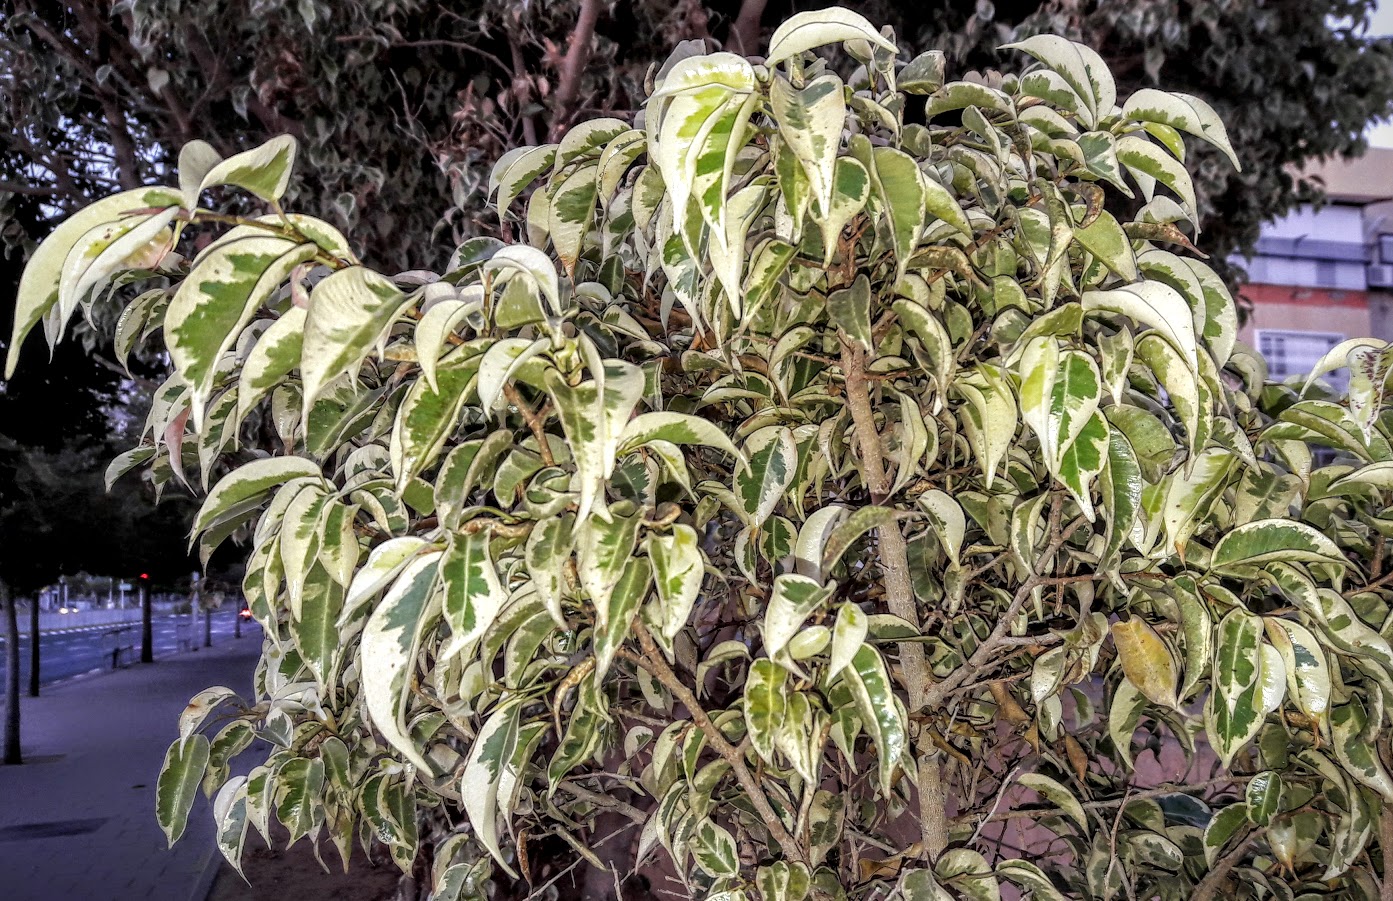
(653, 661)
(1385, 840)
(982, 656)
(523, 83)
(1209, 887)
(573, 66)
(534, 422)
(605, 801)
(899, 594)
(744, 31)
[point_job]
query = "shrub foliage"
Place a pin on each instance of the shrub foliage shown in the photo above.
(828, 479)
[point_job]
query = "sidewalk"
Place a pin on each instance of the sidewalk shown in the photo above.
(77, 820)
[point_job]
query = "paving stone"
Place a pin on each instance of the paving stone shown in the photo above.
(78, 821)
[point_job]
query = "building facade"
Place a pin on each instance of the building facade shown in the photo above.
(1324, 274)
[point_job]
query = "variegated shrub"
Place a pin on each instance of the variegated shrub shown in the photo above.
(828, 481)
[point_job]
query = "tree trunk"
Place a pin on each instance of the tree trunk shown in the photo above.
(1385, 840)
(34, 649)
(147, 651)
(11, 754)
(207, 628)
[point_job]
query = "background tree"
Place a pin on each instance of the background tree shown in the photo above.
(56, 515)
(402, 101)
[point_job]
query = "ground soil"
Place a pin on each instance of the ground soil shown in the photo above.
(295, 875)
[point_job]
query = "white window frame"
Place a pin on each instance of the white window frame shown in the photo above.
(1339, 379)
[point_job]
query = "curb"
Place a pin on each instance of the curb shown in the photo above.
(203, 885)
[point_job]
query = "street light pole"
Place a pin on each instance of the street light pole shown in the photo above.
(147, 651)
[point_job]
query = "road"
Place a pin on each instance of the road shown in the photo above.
(66, 654)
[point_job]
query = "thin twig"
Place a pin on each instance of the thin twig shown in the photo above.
(655, 664)
(534, 422)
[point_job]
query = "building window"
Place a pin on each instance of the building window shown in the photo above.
(1325, 274)
(1292, 353)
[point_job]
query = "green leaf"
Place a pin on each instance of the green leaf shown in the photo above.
(1308, 671)
(530, 263)
(875, 698)
(900, 186)
(850, 309)
(500, 363)
(1182, 384)
(932, 336)
(1147, 162)
(1267, 540)
(1183, 112)
(793, 600)
(697, 123)
(349, 311)
(180, 776)
(1146, 660)
(715, 851)
(1031, 878)
(593, 415)
(816, 28)
(675, 428)
(1264, 796)
(1155, 304)
(515, 170)
(230, 820)
(37, 295)
(263, 171)
(1060, 392)
(1235, 710)
(947, 519)
(1081, 68)
(473, 594)
(1349, 729)
(1124, 713)
(810, 122)
(426, 418)
(316, 629)
(849, 530)
(605, 542)
(848, 634)
(548, 549)
(773, 459)
(572, 210)
(299, 785)
(989, 416)
(1122, 489)
(249, 481)
(1105, 239)
(678, 570)
(1084, 461)
(489, 758)
(1055, 792)
(387, 652)
(274, 356)
(766, 700)
(614, 619)
(851, 189)
(1221, 828)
